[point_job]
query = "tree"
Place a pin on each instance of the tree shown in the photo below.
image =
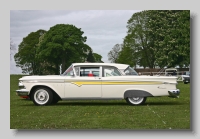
(97, 58)
(90, 57)
(137, 40)
(157, 38)
(126, 56)
(26, 56)
(62, 45)
(114, 53)
(170, 35)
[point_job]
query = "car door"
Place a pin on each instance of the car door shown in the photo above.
(112, 86)
(85, 84)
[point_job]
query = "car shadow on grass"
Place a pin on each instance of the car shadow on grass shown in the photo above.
(164, 103)
(114, 103)
(107, 103)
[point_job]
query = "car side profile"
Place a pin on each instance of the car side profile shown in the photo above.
(96, 81)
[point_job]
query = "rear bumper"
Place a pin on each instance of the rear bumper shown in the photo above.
(174, 93)
(22, 92)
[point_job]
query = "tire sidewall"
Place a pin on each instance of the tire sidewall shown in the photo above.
(50, 96)
(136, 104)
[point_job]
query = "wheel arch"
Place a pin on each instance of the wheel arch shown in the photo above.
(44, 86)
(136, 93)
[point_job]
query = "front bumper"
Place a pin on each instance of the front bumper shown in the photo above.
(174, 93)
(22, 92)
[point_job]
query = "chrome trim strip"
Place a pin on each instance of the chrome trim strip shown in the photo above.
(91, 98)
(43, 81)
(169, 83)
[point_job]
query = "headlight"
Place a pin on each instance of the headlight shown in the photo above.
(21, 85)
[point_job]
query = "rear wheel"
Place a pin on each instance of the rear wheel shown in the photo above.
(136, 100)
(42, 96)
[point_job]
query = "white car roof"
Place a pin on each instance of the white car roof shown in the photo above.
(171, 69)
(119, 66)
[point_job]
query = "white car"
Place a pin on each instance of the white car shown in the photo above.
(96, 81)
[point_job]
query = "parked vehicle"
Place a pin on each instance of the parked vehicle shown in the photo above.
(186, 77)
(108, 82)
(170, 72)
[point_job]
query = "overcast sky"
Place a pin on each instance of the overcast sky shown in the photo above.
(103, 28)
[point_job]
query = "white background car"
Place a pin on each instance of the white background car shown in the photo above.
(96, 81)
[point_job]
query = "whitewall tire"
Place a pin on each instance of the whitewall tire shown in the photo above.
(136, 100)
(42, 96)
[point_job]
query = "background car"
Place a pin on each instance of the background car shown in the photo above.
(186, 77)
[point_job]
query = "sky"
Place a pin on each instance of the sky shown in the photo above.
(103, 28)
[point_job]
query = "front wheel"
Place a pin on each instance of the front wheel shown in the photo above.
(42, 96)
(136, 100)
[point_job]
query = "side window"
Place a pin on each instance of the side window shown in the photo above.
(89, 71)
(110, 71)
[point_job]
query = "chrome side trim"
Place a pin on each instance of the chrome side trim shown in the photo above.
(91, 98)
(43, 81)
(169, 83)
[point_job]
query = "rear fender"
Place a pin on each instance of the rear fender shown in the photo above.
(136, 93)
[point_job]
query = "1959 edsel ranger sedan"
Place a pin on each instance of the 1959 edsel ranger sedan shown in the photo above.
(92, 81)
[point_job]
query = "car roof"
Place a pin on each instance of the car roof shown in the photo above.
(171, 69)
(119, 66)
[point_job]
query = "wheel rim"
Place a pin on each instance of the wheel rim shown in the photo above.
(136, 100)
(41, 96)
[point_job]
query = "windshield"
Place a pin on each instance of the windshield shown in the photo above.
(68, 71)
(130, 71)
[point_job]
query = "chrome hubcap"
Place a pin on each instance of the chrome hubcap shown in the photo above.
(136, 100)
(41, 96)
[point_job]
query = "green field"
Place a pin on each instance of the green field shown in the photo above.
(157, 113)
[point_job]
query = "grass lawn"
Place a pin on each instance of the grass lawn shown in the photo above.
(157, 113)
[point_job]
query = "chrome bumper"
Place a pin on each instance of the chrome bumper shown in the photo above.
(174, 93)
(22, 92)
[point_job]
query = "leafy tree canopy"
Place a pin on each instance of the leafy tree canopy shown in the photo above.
(26, 56)
(156, 38)
(90, 57)
(97, 57)
(62, 45)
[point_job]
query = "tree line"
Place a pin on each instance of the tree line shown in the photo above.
(155, 38)
(44, 52)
